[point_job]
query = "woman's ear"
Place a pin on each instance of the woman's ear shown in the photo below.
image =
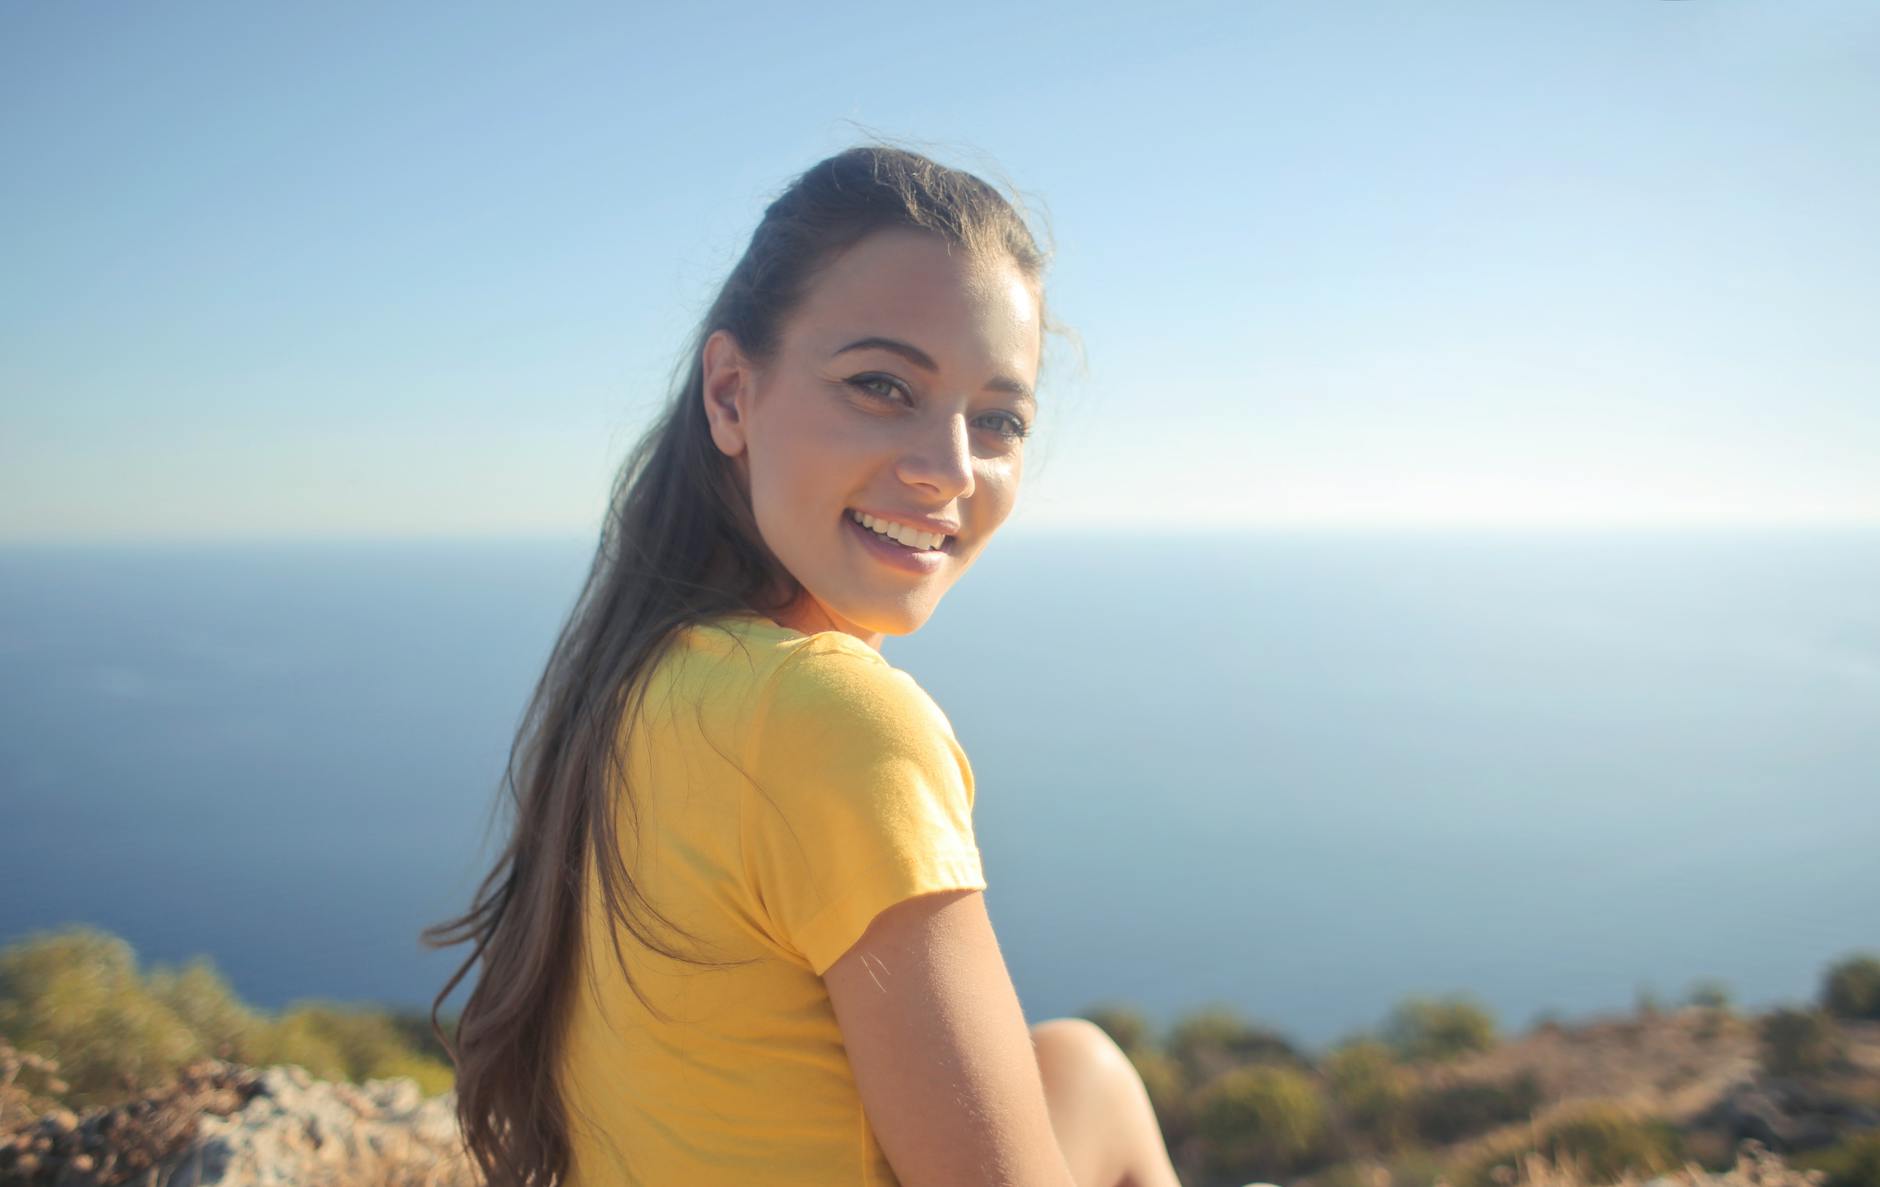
(729, 379)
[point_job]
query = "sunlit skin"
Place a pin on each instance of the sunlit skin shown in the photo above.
(823, 430)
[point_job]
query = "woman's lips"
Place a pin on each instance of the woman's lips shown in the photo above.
(923, 560)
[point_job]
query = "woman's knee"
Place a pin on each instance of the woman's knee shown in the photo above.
(1080, 1090)
(1081, 1043)
(1100, 1108)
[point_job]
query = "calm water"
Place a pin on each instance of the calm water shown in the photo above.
(1299, 775)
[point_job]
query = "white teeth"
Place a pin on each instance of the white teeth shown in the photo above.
(918, 540)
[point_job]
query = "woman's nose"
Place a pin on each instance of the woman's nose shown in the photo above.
(941, 457)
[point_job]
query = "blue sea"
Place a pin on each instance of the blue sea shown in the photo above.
(1300, 775)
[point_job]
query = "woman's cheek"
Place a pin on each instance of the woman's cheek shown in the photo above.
(1001, 484)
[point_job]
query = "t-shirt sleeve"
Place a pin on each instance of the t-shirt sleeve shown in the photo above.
(860, 797)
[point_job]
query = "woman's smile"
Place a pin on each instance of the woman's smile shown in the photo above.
(894, 553)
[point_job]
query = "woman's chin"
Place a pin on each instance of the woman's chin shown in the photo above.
(894, 616)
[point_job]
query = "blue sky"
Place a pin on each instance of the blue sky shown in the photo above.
(422, 269)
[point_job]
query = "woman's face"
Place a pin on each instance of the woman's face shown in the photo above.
(899, 390)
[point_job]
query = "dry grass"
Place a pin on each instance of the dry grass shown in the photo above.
(1755, 1167)
(1674, 1065)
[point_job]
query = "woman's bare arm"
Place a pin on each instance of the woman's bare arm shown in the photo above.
(941, 1051)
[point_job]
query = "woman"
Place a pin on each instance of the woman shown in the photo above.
(718, 751)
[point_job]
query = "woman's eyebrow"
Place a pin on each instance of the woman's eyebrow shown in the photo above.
(920, 358)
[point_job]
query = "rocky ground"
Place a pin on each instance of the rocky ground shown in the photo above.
(220, 1123)
(224, 1124)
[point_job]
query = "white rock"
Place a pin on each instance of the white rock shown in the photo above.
(296, 1126)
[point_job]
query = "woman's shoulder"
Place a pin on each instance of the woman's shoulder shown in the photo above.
(832, 681)
(779, 652)
(750, 654)
(770, 646)
(785, 689)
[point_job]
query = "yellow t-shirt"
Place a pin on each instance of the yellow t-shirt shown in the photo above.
(790, 787)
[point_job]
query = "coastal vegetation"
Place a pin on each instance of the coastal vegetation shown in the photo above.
(77, 995)
(1436, 1093)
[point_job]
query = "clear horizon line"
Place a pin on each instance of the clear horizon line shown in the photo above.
(1141, 528)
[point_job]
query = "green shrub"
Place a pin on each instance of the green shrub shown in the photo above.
(1604, 1140)
(339, 1042)
(1646, 1003)
(1851, 988)
(1798, 1042)
(1448, 1113)
(1216, 1038)
(1611, 1142)
(1438, 1029)
(1126, 1026)
(198, 995)
(74, 995)
(297, 1037)
(1260, 1121)
(1371, 1090)
(1709, 994)
(1853, 1163)
(414, 1026)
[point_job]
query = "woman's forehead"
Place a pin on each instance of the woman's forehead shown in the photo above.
(910, 289)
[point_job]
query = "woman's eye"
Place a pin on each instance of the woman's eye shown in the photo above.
(887, 388)
(1010, 427)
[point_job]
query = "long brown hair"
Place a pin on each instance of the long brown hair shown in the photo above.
(679, 545)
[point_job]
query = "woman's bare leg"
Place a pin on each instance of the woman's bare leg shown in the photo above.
(1100, 1111)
